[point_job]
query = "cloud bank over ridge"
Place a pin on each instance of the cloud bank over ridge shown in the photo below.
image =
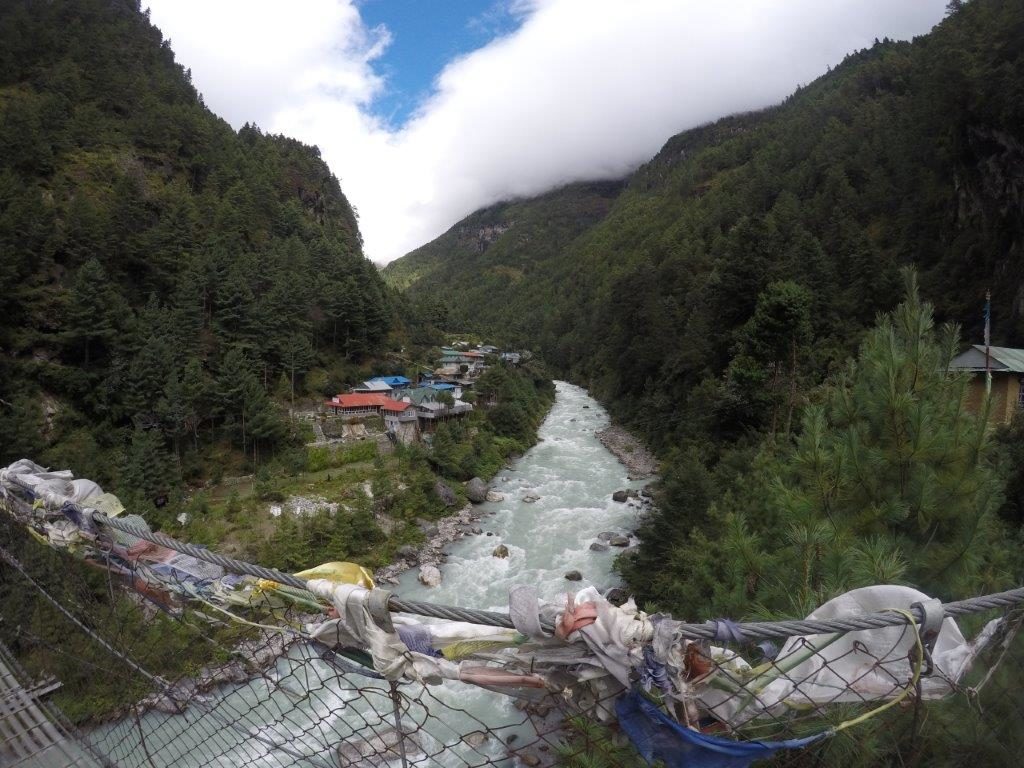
(582, 89)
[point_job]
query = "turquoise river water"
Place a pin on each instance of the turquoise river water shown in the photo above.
(303, 710)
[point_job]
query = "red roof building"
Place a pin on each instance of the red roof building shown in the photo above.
(357, 403)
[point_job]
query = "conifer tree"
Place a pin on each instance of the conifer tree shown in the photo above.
(148, 470)
(297, 357)
(196, 389)
(890, 454)
(21, 428)
(93, 314)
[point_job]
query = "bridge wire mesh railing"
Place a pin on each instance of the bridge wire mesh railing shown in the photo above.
(186, 685)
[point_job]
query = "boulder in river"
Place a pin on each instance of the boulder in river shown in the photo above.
(476, 491)
(429, 576)
(494, 496)
(619, 541)
(620, 496)
(530, 498)
(616, 596)
(574, 576)
(500, 551)
(369, 751)
(476, 738)
(606, 535)
(445, 494)
(597, 546)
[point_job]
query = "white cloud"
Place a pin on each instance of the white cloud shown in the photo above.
(583, 89)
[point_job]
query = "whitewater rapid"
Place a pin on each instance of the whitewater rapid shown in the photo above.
(261, 723)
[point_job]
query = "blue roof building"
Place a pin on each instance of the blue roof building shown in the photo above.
(395, 382)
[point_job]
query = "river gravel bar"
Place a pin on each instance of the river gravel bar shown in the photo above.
(633, 454)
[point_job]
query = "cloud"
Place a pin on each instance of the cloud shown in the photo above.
(582, 89)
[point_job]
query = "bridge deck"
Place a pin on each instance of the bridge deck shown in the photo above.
(29, 736)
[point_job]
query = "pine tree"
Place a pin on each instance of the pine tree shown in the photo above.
(196, 391)
(94, 312)
(235, 382)
(776, 338)
(260, 418)
(891, 454)
(21, 425)
(296, 356)
(173, 411)
(148, 470)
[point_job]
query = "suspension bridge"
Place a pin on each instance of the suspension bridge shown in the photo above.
(325, 668)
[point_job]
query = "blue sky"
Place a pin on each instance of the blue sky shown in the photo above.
(426, 35)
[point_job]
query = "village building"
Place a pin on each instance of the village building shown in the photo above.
(401, 421)
(430, 411)
(395, 382)
(372, 386)
(357, 404)
(449, 370)
(464, 365)
(446, 386)
(1007, 367)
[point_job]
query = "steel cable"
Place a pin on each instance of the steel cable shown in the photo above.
(753, 630)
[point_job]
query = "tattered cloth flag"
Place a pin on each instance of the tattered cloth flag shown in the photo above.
(656, 736)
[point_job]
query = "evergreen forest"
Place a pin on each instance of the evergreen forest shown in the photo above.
(165, 277)
(716, 297)
(772, 302)
(174, 291)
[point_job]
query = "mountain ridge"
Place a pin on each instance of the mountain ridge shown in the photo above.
(904, 153)
(162, 270)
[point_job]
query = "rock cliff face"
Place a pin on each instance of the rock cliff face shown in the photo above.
(499, 244)
(478, 239)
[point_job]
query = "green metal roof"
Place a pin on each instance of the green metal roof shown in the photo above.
(1003, 359)
(421, 394)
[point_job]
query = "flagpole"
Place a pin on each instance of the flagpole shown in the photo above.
(988, 339)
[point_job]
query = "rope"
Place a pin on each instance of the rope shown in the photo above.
(911, 685)
(746, 631)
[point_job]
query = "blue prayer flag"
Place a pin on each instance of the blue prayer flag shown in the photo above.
(657, 737)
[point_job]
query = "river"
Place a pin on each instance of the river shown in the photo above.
(261, 723)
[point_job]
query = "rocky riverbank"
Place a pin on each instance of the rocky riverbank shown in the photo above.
(633, 454)
(430, 554)
(262, 653)
(253, 658)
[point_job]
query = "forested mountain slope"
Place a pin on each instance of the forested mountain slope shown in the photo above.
(454, 278)
(907, 153)
(161, 273)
